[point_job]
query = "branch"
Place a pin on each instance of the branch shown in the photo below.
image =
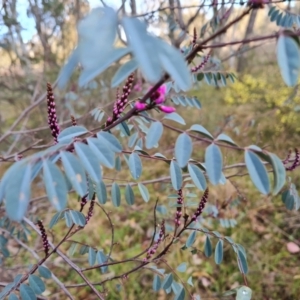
(67, 260)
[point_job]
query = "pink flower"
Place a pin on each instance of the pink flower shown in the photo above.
(159, 95)
(140, 106)
(162, 89)
(167, 109)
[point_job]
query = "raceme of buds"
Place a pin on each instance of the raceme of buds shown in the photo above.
(201, 206)
(202, 64)
(122, 101)
(295, 162)
(44, 237)
(52, 118)
(153, 249)
(179, 208)
(286, 161)
(140, 106)
(159, 95)
(83, 201)
(166, 109)
(90, 212)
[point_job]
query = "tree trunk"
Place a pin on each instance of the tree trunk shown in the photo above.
(241, 60)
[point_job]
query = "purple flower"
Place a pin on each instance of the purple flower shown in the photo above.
(159, 95)
(139, 105)
(167, 109)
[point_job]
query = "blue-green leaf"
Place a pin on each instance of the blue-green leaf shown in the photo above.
(75, 172)
(113, 54)
(55, 185)
(182, 267)
(180, 295)
(154, 134)
(200, 129)
(44, 272)
(183, 149)
(72, 249)
(132, 139)
(197, 177)
(91, 188)
(55, 219)
(135, 165)
(144, 192)
(102, 259)
(78, 217)
(124, 71)
(69, 133)
(167, 281)
(176, 175)
(68, 219)
(288, 199)
(190, 281)
(191, 239)
(13, 297)
(124, 128)
(244, 293)
(142, 47)
(110, 140)
(68, 68)
(6, 178)
(174, 117)
(271, 10)
(104, 154)
(156, 283)
(92, 256)
(196, 102)
(219, 252)
(279, 173)
(258, 172)
(288, 58)
(242, 261)
(37, 284)
(94, 55)
(225, 138)
(101, 192)
(89, 161)
(115, 194)
(129, 195)
(26, 292)
(207, 247)
(174, 64)
(101, 22)
(213, 163)
(17, 194)
(118, 163)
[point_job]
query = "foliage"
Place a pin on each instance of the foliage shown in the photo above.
(280, 102)
(106, 164)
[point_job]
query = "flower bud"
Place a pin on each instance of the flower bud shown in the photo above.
(167, 109)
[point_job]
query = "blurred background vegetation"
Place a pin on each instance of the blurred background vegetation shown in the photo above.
(37, 37)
